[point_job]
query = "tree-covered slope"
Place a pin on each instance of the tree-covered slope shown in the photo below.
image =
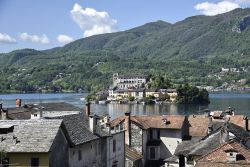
(190, 50)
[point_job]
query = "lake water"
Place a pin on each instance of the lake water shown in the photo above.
(241, 102)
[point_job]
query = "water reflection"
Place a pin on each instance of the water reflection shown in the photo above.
(241, 102)
(116, 110)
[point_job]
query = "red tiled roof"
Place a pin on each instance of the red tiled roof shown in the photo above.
(218, 157)
(198, 125)
(117, 121)
(153, 121)
(237, 120)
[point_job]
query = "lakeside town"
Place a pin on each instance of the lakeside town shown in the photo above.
(130, 83)
(60, 134)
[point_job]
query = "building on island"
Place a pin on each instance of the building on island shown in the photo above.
(124, 94)
(128, 81)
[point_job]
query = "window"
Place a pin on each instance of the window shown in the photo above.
(6, 162)
(34, 162)
(114, 145)
(158, 134)
(79, 155)
(35, 115)
(121, 127)
(152, 153)
(151, 134)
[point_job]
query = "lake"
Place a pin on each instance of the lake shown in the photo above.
(241, 102)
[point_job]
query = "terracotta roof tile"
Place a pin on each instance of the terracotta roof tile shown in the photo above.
(237, 120)
(117, 121)
(198, 125)
(219, 156)
(154, 121)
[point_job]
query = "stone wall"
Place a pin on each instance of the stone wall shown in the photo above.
(136, 137)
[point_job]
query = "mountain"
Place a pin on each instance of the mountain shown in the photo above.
(193, 50)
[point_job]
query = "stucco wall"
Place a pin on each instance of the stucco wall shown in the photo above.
(91, 155)
(59, 151)
(170, 139)
(117, 157)
(23, 159)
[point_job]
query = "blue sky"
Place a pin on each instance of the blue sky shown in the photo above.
(46, 24)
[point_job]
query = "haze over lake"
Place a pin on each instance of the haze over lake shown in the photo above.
(241, 102)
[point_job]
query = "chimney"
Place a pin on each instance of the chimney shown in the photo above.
(41, 113)
(224, 134)
(245, 120)
(210, 129)
(210, 125)
(3, 114)
(92, 123)
(1, 110)
(18, 103)
(87, 109)
(128, 128)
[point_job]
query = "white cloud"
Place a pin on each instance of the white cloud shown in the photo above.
(211, 9)
(241, 1)
(93, 22)
(64, 39)
(5, 38)
(34, 38)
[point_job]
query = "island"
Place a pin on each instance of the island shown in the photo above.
(138, 88)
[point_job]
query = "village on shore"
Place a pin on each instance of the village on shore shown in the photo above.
(141, 89)
(59, 134)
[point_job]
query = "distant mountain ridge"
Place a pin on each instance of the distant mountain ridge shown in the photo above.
(188, 50)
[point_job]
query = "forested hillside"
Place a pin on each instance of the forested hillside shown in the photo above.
(193, 50)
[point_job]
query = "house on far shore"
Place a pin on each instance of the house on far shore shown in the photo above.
(152, 92)
(128, 81)
(122, 94)
(34, 142)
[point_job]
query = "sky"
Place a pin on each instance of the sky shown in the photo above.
(45, 24)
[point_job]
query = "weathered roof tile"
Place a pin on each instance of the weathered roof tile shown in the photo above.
(29, 135)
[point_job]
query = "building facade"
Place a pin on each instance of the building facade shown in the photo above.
(34, 143)
(153, 137)
(128, 82)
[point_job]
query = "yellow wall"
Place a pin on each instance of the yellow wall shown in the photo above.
(23, 159)
(155, 94)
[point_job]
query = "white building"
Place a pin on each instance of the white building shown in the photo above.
(126, 81)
